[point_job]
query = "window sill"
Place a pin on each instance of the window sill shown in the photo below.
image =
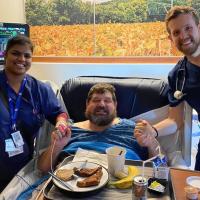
(75, 59)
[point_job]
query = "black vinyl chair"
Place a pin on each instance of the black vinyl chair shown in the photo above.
(134, 95)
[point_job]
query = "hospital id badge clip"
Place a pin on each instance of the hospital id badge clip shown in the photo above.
(17, 138)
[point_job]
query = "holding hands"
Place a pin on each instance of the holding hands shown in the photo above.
(144, 133)
(61, 135)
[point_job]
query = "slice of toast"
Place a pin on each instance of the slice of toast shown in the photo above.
(85, 172)
(91, 180)
(65, 174)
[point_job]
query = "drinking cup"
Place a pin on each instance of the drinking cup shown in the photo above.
(116, 159)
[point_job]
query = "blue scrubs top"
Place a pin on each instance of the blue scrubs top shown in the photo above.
(120, 134)
(37, 104)
(191, 89)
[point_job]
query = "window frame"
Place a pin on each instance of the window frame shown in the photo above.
(90, 59)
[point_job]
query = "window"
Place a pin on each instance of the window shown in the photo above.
(101, 27)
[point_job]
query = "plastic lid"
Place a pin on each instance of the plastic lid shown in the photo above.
(193, 181)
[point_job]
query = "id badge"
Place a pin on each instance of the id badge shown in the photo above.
(9, 145)
(17, 151)
(17, 138)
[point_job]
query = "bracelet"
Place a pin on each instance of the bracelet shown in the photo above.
(155, 131)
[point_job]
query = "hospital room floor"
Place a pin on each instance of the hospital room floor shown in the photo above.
(195, 138)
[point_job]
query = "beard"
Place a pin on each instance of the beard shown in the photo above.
(100, 120)
(189, 51)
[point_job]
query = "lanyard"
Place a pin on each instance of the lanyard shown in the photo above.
(14, 107)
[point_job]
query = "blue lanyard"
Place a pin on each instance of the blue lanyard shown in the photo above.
(14, 107)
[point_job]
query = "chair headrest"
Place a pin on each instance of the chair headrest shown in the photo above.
(134, 95)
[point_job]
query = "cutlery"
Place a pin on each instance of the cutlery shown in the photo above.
(83, 165)
(62, 182)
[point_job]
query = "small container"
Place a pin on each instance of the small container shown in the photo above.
(191, 193)
(161, 172)
(160, 169)
(139, 188)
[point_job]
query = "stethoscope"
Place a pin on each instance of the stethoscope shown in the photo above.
(180, 80)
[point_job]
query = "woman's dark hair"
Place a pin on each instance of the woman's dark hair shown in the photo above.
(18, 40)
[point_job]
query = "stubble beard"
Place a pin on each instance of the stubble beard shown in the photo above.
(194, 50)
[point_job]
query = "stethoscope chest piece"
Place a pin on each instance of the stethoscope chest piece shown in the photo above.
(178, 94)
(180, 80)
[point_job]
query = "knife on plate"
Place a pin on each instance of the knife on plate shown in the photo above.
(61, 182)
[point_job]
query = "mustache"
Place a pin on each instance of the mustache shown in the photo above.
(183, 40)
(101, 109)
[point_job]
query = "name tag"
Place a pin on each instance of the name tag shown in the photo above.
(17, 151)
(17, 138)
(9, 145)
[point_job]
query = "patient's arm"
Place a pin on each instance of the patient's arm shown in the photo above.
(56, 146)
(149, 141)
(173, 122)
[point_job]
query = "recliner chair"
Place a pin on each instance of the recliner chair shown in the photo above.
(139, 98)
(134, 95)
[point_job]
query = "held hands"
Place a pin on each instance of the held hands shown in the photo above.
(61, 135)
(144, 133)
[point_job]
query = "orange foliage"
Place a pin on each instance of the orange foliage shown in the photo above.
(138, 39)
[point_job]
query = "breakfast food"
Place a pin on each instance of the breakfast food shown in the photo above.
(65, 174)
(92, 180)
(86, 172)
(127, 181)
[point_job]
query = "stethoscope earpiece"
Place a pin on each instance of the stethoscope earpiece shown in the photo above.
(178, 94)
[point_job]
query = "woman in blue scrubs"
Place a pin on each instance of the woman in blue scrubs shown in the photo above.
(25, 103)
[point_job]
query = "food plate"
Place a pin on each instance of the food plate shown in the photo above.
(72, 183)
(193, 181)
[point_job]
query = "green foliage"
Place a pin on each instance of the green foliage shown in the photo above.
(121, 11)
(36, 12)
(196, 5)
(157, 9)
(61, 12)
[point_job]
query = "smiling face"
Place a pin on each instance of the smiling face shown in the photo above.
(18, 59)
(185, 34)
(101, 109)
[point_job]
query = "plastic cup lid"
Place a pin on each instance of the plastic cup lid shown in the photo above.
(193, 181)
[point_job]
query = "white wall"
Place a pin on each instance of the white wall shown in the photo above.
(12, 11)
(63, 71)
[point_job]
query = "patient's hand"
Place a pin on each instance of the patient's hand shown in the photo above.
(144, 133)
(61, 140)
(144, 127)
